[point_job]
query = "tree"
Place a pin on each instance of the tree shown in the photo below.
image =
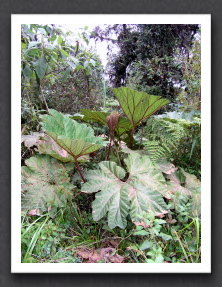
(190, 96)
(146, 55)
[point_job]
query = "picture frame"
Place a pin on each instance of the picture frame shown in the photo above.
(204, 20)
(163, 7)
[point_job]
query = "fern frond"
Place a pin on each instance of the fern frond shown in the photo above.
(164, 136)
(154, 150)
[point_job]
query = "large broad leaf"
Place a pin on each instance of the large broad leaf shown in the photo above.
(194, 184)
(32, 139)
(76, 139)
(192, 116)
(142, 191)
(33, 44)
(138, 106)
(45, 184)
(122, 126)
(27, 72)
(40, 67)
(47, 145)
(190, 191)
(95, 116)
(166, 166)
(174, 184)
(195, 203)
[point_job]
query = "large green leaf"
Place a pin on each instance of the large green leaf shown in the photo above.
(33, 43)
(47, 145)
(122, 126)
(32, 139)
(191, 190)
(40, 67)
(192, 116)
(138, 106)
(142, 191)
(95, 116)
(195, 203)
(76, 139)
(45, 184)
(194, 184)
(166, 166)
(27, 72)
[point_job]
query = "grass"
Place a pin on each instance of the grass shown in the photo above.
(58, 239)
(34, 238)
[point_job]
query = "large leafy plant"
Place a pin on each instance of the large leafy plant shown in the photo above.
(142, 188)
(185, 186)
(116, 124)
(122, 125)
(45, 185)
(138, 106)
(74, 139)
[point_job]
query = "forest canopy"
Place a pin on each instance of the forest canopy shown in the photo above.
(147, 52)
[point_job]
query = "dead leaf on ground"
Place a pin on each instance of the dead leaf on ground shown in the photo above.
(142, 223)
(34, 212)
(103, 255)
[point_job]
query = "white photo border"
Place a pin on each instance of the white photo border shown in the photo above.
(205, 21)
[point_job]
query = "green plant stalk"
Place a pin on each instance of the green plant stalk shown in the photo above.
(197, 225)
(79, 224)
(190, 254)
(181, 245)
(109, 149)
(104, 94)
(186, 226)
(122, 239)
(193, 146)
(131, 138)
(141, 137)
(32, 224)
(34, 240)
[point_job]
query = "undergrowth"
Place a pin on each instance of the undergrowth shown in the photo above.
(114, 197)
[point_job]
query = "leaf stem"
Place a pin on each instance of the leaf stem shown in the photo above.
(108, 152)
(141, 137)
(117, 153)
(79, 170)
(131, 138)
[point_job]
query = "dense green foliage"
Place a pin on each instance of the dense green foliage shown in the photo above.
(56, 72)
(190, 97)
(105, 179)
(146, 56)
(176, 136)
(45, 184)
